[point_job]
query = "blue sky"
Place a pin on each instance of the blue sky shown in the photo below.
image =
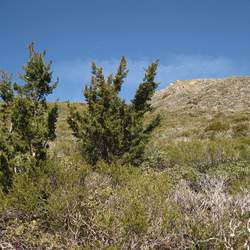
(192, 38)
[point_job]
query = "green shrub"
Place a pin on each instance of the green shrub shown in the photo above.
(217, 126)
(241, 129)
(134, 219)
(203, 154)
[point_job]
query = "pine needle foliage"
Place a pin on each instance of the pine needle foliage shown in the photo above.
(109, 128)
(27, 122)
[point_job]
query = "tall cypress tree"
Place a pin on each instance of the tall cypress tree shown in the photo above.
(6, 143)
(27, 123)
(110, 128)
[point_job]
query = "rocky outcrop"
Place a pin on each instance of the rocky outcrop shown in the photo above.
(232, 94)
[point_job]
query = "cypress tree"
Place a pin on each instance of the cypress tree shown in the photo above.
(6, 142)
(109, 128)
(27, 122)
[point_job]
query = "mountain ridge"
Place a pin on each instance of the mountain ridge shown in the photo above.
(216, 94)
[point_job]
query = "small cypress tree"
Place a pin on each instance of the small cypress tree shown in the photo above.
(27, 123)
(108, 127)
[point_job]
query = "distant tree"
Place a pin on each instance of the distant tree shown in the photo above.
(27, 123)
(108, 127)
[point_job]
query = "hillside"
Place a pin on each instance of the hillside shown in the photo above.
(199, 109)
(190, 192)
(190, 109)
(227, 94)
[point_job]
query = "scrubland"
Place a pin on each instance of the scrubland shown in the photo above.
(192, 190)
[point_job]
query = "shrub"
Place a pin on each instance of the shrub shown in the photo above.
(205, 154)
(241, 129)
(217, 126)
(213, 218)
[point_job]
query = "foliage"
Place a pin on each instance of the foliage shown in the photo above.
(109, 127)
(68, 205)
(217, 126)
(190, 192)
(27, 124)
